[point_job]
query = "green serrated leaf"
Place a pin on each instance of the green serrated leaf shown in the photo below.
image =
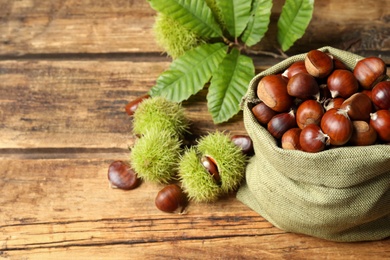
(190, 72)
(228, 86)
(258, 22)
(235, 14)
(293, 21)
(194, 15)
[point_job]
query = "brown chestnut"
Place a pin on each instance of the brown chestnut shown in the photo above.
(122, 176)
(339, 65)
(244, 142)
(211, 166)
(171, 199)
(363, 134)
(132, 106)
(369, 71)
(342, 83)
(280, 123)
(318, 64)
(272, 90)
(381, 95)
(309, 112)
(312, 139)
(337, 125)
(295, 68)
(333, 103)
(303, 86)
(380, 121)
(263, 113)
(358, 107)
(290, 139)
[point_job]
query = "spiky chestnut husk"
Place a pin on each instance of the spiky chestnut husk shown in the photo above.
(173, 37)
(199, 185)
(162, 114)
(155, 156)
(197, 181)
(216, 12)
(231, 162)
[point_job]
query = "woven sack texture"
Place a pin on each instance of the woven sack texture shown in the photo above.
(340, 194)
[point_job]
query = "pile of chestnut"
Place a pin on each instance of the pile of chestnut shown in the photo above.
(319, 103)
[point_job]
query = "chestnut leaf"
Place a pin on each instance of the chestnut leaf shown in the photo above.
(293, 21)
(188, 74)
(258, 22)
(195, 15)
(235, 14)
(228, 85)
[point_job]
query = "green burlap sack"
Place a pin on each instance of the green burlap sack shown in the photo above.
(340, 194)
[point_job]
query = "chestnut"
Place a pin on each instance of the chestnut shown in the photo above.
(122, 176)
(244, 142)
(358, 107)
(303, 86)
(133, 105)
(312, 139)
(280, 123)
(295, 68)
(333, 103)
(318, 64)
(171, 199)
(380, 121)
(263, 113)
(342, 83)
(339, 65)
(337, 125)
(380, 95)
(290, 139)
(309, 112)
(363, 134)
(369, 71)
(272, 90)
(211, 166)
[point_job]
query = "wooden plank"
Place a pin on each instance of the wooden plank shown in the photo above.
(58, 208)
(119, 26)
(76, 27)
(80, 103)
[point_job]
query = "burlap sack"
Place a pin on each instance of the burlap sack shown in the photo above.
(340, 194)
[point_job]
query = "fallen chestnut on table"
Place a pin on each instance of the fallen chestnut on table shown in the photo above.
(171, 199)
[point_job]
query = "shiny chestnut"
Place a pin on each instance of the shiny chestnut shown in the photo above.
(337, 125)
(171, 199)
(380, 95)
(318, 64)
(369, 71)
(342, 83)
(263, 113)
(132, 106)
(272, 90)
(122, 176)
(244, 142)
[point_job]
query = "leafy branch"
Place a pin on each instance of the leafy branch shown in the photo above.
(209, 41)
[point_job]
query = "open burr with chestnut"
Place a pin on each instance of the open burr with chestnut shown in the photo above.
(320, 102)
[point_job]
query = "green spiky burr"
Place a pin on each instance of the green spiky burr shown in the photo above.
(162, 114)
(196, 181)
(155, 156)
(230, 161)
(173, 37)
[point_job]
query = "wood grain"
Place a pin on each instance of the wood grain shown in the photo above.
(67, 70)
(51, 103)
(120, 26)
(75, 213)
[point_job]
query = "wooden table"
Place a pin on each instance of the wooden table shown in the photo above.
(67, 69)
